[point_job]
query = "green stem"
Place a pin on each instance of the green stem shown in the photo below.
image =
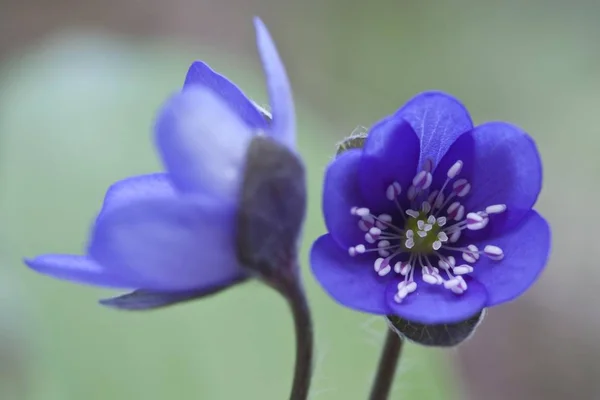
(386, 371)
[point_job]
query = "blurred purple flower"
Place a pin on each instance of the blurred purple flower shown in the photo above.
(171, 235)
(432, 219)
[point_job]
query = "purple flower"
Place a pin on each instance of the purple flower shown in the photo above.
(432, 219)
(171, 236)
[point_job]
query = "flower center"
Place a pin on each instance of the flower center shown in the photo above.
(427, 230)
(424, 238)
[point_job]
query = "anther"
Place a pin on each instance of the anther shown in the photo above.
(456, 211)
(421, 234)
(436, 245)
(476, 222)
(493, 252)
(382, 266)
(461, 187)
(431, 220)
(471, 254)
(441, 221)
(383, 221)
(455, 169)
(361, 212)
(422, 180)
(462, 269)
(412, 213)
(411, 193)
(454, 236)
(356, 250)
(428, 165)
(450, 283)
(425, 207)
(496, 209)
(393, 191)
(442, 236)
(409, 243)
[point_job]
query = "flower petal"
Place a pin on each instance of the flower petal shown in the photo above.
(351, 281)
(390, 154)
(151, 300)
(79, 269)
(438, 120)
(283, 126)
(170, 244)
(203, 143)
(137, 188)
(433, 304)
(504, 167)
(340, 193)
(201, 74)
(526, 251)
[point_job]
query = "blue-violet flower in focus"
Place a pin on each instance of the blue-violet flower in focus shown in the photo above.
(171, 235)
(432, 219)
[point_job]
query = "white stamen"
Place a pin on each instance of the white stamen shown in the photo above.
(383, 253)
(412, 193)
(456, 211)
(427, 227)
(431, 220)
(476, 222)
(420, 179)
(450, 283)
(420, 224)
(411, 287)
(375, 231)
(442, 236)
(441, 221)
(428, 165)
(360, 249)
(425, 207)
(432, 196)
(384, 271)
(364, 225)
(409, 234)
(455, 169)
(427, 278)
(393, 191)
(493, 252)
(454, 236)
(462, 269)
(384, 219)
(412, 213)
(422, 234)
(439, 202)
(496, 209)
(457, 290)
(409, 243)
(461, 187)
(383, 243)
(353, 210)
(472, 254)
(436, 245)
(369, 238)
(362, 212)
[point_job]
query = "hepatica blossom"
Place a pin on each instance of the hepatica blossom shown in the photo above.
(432, 220)
(171, 235)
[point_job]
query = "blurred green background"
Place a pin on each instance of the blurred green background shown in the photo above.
(80, 83)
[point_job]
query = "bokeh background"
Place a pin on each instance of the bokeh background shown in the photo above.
(80, 82)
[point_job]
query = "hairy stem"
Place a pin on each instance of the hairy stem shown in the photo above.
(293, 292)
(386, 371)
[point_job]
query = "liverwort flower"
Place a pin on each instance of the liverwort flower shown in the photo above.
(173, 236)
(431, 220)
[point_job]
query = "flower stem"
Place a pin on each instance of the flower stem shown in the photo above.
(291, 289)
(386, 371)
